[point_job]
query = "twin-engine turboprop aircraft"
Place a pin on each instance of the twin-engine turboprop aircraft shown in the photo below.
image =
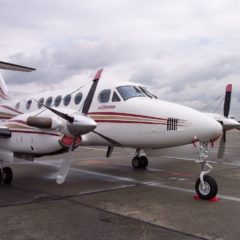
(112, 115)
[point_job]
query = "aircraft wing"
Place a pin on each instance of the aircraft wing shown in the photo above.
(14, 67)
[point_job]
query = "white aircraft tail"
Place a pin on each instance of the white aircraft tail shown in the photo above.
(3, 89)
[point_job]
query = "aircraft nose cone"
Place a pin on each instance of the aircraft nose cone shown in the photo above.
(210, 130)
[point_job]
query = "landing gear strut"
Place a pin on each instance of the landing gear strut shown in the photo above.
(206, 186)
(140, 161)
(6, 175)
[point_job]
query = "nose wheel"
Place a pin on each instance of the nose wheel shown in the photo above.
(205, 186)
(208, 189)
(6, 175)
(140, 162)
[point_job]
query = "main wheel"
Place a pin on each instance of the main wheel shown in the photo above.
(7, 175)
(208, 190)
(136, 162)
(144, 161)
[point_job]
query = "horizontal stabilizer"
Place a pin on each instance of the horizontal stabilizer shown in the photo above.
(14, 67)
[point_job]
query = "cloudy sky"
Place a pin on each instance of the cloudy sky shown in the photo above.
(185, 51)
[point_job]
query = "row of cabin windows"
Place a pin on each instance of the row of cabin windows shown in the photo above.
(57, 101)
(126, 92)
(104, 97)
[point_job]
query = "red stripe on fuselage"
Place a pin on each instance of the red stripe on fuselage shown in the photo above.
(18, 121)
(123, 121)
(11, 109)
(124, 114)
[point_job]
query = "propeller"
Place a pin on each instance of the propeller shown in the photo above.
(64, 168)
(226, 109)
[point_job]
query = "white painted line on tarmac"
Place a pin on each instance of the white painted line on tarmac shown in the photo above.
(232, 164)
(187, 159)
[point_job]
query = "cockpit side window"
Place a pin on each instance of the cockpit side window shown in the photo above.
(104, 96)
(115, 97)
(129, 92)
(146, 92)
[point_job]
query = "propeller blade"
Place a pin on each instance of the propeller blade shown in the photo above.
(227, 100)
(61, 176)
(221, 149)
(110, 140)
(89, 98)
(60, 114)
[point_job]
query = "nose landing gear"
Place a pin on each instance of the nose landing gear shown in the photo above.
(206, 186)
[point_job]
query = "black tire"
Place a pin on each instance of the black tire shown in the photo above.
(135, 162)
(144, 161)
(7, 175)
(211, 188)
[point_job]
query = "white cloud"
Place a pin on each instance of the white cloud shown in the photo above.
(185, 50)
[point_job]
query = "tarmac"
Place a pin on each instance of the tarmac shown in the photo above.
(108, 199)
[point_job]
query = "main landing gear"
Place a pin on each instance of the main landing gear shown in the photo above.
(206, 186)
(6, 175)
(140, 161)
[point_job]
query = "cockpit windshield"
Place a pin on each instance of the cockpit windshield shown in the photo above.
(130, 92)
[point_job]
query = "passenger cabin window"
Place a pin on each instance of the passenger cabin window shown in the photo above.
(104, 96)
(57, 101)
(78, 98)
(28, 104)
(40, 102)
(67, 100)
(49, 101)
(129, 92)
(115, 97)
(17, 106)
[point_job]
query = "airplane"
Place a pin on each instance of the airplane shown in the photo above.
(119, 115)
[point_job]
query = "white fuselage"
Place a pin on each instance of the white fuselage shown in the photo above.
(139, 122)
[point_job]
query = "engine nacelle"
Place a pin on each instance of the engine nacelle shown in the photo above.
(44, 122)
